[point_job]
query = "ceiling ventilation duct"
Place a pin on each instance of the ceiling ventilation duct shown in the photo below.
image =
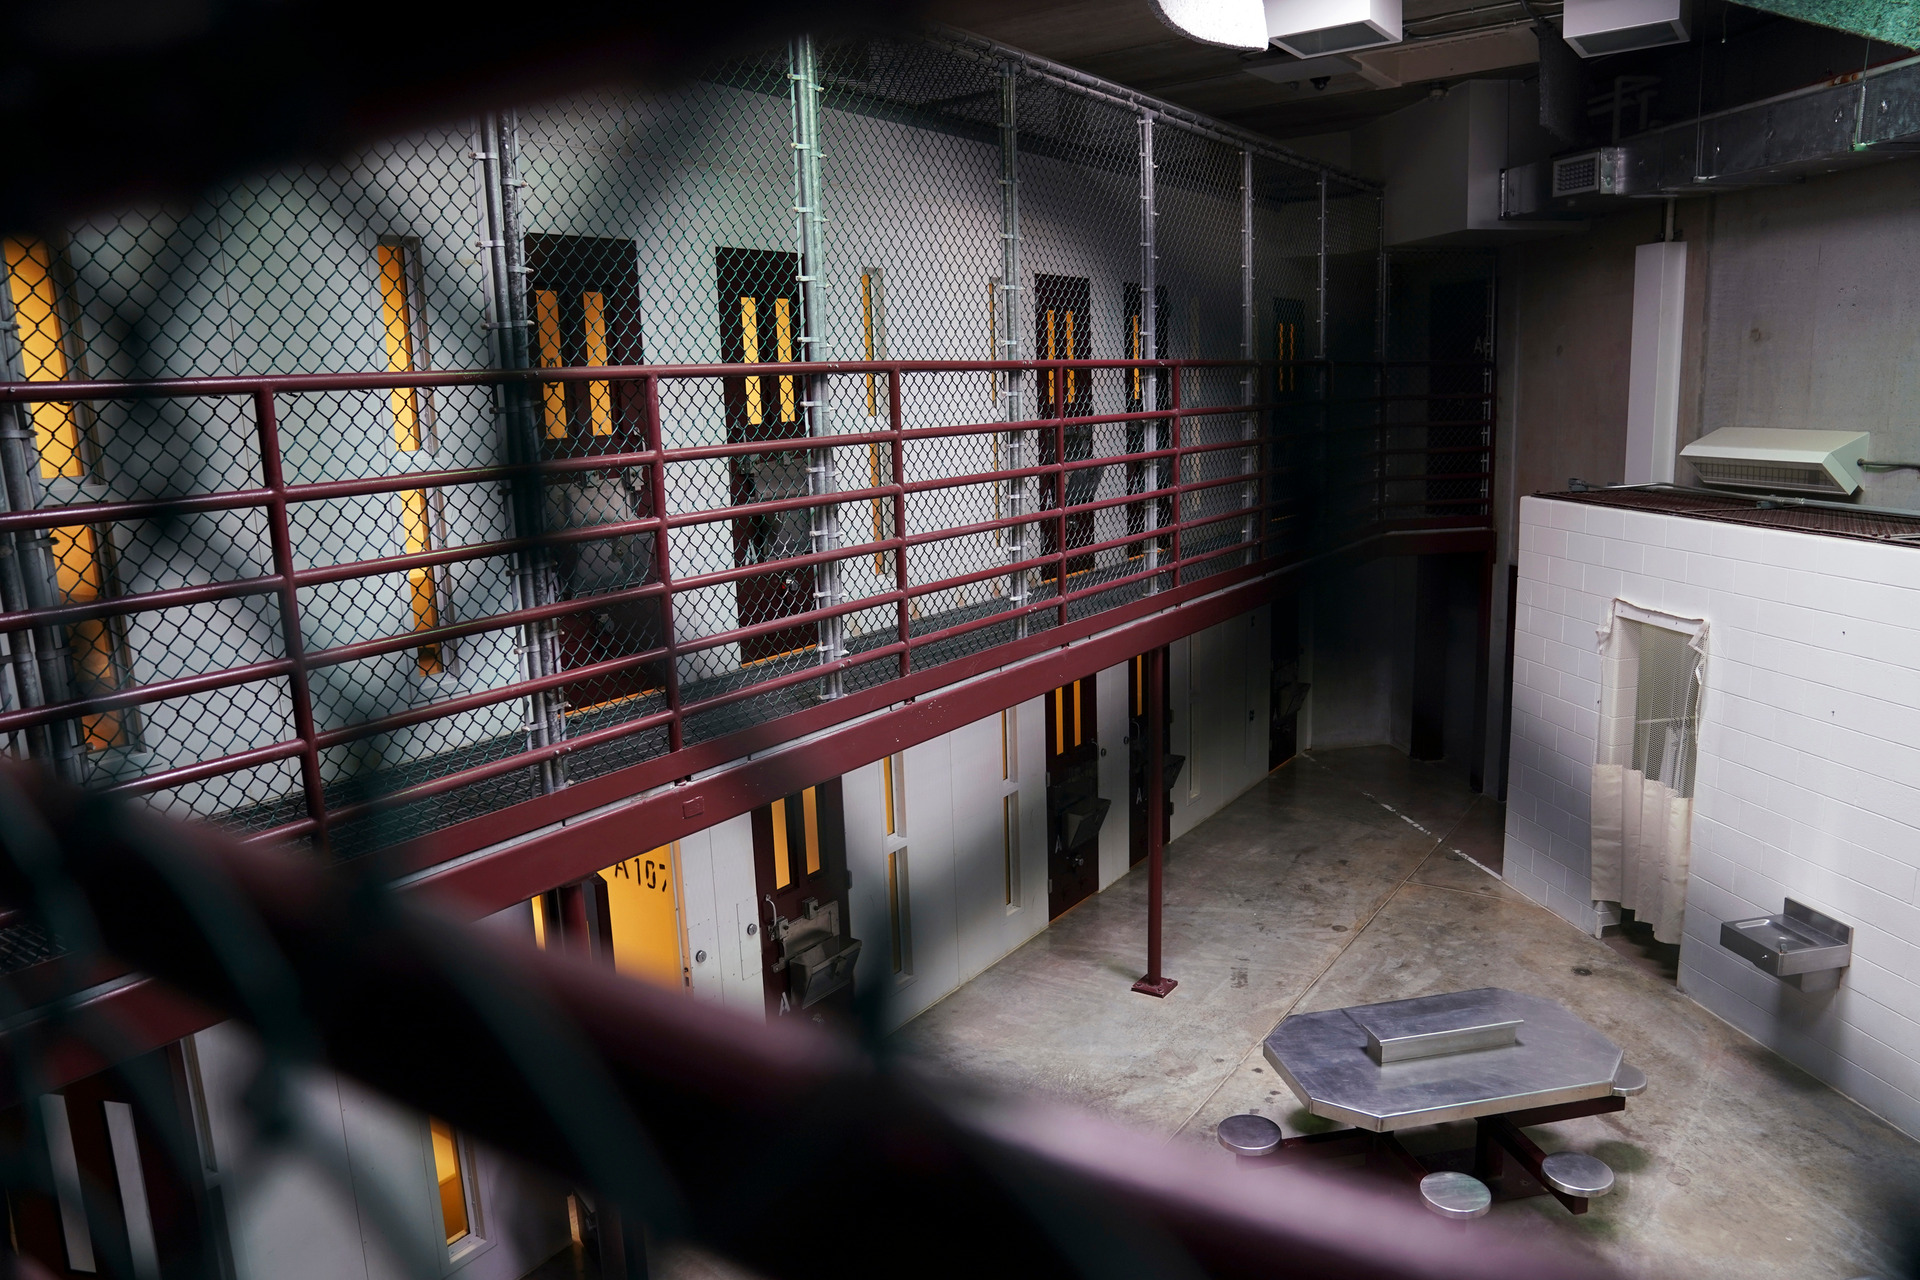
(1595, 28)
(1824, 464)
(1312, 28)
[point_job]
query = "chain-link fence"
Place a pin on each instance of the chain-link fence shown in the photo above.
(369, 609)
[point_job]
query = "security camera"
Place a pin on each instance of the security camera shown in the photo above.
(1320, 82)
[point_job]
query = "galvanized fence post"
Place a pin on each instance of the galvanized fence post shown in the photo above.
(497, 171)
(1010, 345)
(808, 191)
(1150, 339)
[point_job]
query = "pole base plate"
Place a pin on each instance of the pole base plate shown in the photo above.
(1158, 987)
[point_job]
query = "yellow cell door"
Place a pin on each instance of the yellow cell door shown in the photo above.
(643, 916)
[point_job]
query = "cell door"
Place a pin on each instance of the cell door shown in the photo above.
(583, 296)
(760, 323)
(807, 949)
(1063, 330)
(1075, 810)
(120, 1196)
(644, 929)
(1138, 742)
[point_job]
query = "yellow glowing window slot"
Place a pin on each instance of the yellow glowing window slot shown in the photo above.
(43, 356)
(886, 787)
(1006, 756)
(396, 324)
(783, 352)
(866, 329)
(1007, 804)
(599, 394)
(643, 911)
(810, 807)
(539, 923)
(1070, 372)
(750, 353)
(417, 529)
(546, 343)
(782, 863)
(1050, 356)
(893, 910)
(452, 1180)
(1060, 721)
(1076, 713)
(82, 580)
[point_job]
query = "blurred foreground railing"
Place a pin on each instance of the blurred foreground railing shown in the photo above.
(701, 1125)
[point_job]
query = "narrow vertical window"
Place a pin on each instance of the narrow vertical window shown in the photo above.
(399, 320)
(1070, 349)
(886, 787)
(1010, 843)
(593, 307)
(450, 1172)
(1051, 349)
(1060, 720)
(1006, 751)
(1076, 713)
(546, 351)
(782, 862)
(538, 907)
(750, 354)
(783, 352)
(32, 280)
(810, 808)
(896, 917)
(80, 574)
(416, 524)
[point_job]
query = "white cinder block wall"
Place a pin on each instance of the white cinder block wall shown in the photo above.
(1808, 783)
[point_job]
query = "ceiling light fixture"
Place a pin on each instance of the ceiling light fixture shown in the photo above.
(1233, 24)
(1312, 28)
(1595, 28)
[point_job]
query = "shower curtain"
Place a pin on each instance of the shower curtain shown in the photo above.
(1652, 671)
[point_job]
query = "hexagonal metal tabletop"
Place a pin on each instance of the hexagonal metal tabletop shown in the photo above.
(1549, 1056)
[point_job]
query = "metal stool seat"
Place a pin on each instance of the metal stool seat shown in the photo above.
(1577, 1174)
(1249, 1136)
(1456, 1195)
(1629, 1081)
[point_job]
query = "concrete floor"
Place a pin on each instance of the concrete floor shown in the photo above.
(1349, 877)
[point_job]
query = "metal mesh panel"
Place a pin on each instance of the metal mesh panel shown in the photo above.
(487, 606)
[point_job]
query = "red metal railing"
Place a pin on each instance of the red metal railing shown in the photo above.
(1266, 445)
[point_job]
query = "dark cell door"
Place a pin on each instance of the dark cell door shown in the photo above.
(1138, 743)
(807, 949)
(1063, 330)
(759, 324)
(1142, 386)
(122, 1194)
(1075, 810)
(1286, 691)
(1294, 419)
(1460, 387)
(583, 301)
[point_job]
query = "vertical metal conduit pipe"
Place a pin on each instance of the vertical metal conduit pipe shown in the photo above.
(497, 169)
(1010, 291)
(804, 93)
(1150, 336)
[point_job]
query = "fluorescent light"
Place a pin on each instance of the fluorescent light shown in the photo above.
(1236, 24)
(1314, 28)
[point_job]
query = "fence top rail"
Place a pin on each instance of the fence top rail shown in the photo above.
(308, 383)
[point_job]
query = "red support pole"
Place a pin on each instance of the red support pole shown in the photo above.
(1156, 983)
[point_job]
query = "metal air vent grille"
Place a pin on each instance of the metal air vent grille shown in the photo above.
(1576, 175)
(1773, 477)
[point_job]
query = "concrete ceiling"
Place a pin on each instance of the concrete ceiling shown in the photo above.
(1272, 92)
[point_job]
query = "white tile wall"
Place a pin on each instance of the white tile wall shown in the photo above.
(1809, 774)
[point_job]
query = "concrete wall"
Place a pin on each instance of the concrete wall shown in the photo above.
(1808, 783)
(354, 1196)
